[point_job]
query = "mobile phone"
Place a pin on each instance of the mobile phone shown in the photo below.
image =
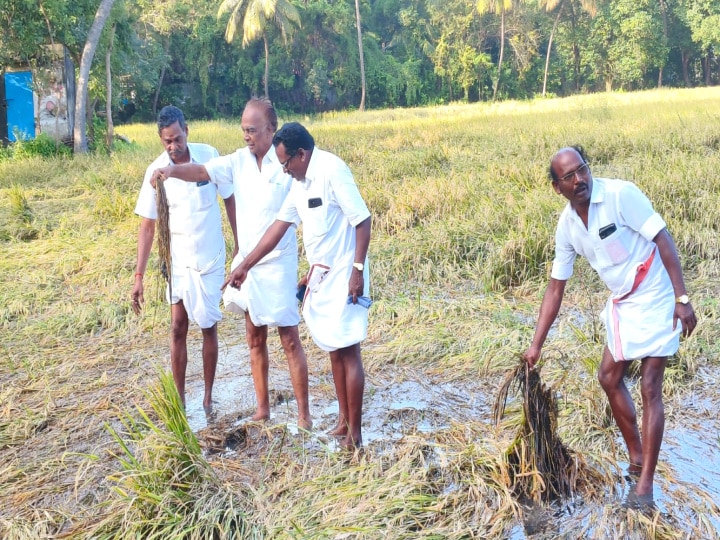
(363, 301)
(314, 202)
(300, 294)
(607, 230)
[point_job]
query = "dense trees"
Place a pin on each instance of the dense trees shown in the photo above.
(413, 52)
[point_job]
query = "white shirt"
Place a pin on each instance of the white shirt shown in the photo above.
(195, 224)
(329, 206)
(616, 257)
(259, 194)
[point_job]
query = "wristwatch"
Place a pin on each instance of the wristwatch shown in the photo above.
(682, 299)
(358, 266)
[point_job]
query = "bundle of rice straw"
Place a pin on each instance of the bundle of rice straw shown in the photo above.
(541, 467)
(163, 232)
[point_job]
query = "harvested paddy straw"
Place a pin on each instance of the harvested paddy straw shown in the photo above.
(541, 467)
(163, 232)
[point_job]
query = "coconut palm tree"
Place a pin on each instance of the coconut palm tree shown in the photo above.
(362, 56)
(499, 7)
(253, 17)
(590, 6)
(79, 130)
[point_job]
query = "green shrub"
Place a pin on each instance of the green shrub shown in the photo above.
(43, 146)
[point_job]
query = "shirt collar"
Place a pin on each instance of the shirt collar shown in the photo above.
(598, 191)
(310, 172)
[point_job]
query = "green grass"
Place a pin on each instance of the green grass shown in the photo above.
(463, 223)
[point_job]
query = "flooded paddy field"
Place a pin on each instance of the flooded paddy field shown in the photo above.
(404, 405)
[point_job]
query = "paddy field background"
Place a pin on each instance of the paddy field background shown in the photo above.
(93, 443)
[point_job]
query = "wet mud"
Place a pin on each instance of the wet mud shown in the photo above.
(407, 403)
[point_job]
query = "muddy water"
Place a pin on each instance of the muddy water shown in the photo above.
(688, 473)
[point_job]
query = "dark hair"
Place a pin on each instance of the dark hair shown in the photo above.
(266, 106)
(168, 116)
(579, 149)
(294, 136)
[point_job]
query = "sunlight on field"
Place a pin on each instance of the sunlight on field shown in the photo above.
(463, 223)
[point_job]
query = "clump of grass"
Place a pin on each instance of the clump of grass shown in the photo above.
(542, 468)
(166, 488)
(20, 226)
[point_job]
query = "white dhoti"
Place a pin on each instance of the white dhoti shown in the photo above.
(333, 323)
(639, 320)
(268, 293)
(199, 290)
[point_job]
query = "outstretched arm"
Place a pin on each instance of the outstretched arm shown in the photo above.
(668, 253)
(548, 313)
(190, 172)
(267, 243)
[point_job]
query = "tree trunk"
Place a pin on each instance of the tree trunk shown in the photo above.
(685, 57)
(663, 10)
(706, 66)
(156, 99)
(547, 56)
(362, 56)
(502, 51)
(267, 65)
(101, 16)
(108, 82)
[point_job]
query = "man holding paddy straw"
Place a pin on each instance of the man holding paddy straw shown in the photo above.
(614, 226)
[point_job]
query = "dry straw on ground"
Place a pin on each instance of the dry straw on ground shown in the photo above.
(463, 228)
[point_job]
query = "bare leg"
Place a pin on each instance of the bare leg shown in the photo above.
(338, 371)
(653, 421)
(178, 347)
(612, 379)
(297, 363)
(350, 384)
(210, 358)
(259, 365)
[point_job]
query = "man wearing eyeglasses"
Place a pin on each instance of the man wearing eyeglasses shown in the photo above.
(336, 234)
(614, 226)
(268, 297)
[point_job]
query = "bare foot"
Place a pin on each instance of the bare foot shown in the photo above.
(260, 416)
(351, 443)
(305, 423)
(340, 430)
(634, 469)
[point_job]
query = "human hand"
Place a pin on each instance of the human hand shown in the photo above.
(686, 315)
(236, 278)
(138, 299)
(531, 356)
(356, 286)
(159, 174)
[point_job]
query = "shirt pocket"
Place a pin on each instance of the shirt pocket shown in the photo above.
(204, 195)
(613, 250)
(315, 220)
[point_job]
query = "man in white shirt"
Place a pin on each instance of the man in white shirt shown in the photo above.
(336, 234)
(197, 248)
(268, 299)
(613, 225)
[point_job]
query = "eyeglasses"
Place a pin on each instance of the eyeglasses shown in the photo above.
(581, 170)
(284, 164)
